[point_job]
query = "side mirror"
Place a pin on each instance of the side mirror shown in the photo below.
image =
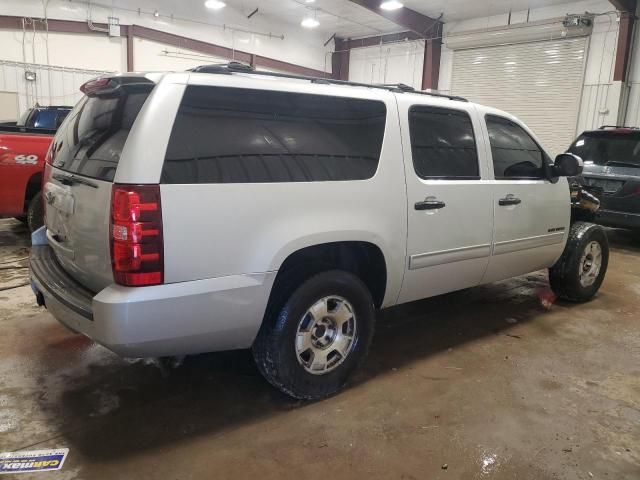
(566, 165)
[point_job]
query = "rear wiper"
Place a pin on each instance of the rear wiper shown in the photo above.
(72, 179)
(615, 163)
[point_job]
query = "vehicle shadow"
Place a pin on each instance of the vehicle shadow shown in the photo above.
(625, 240)
(147, 408)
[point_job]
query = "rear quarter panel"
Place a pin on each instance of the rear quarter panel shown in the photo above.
(21, 157)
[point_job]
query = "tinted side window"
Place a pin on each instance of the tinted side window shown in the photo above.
(515, 153)
(442, 143)
(233, 135)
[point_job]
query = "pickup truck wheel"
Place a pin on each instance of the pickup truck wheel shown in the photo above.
(35, 213)
(320, 336)
(578, 274)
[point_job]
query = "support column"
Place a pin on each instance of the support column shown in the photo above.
(340, 60)
(431, 65)
(130, 63)
(623, 51)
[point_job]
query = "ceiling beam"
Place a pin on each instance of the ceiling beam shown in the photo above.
(405, 17)
(624, 5)
(381, 39)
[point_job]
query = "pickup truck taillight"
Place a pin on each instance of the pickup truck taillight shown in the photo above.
(136, 235)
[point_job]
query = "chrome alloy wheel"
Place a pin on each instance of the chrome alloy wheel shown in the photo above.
(326, 335)
(590, 264)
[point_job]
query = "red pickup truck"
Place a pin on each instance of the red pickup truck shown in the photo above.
(23, 148)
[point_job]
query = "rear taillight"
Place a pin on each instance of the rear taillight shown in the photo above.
(136, 235)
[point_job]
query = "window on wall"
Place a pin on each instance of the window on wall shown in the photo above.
(234, 135)
(442, 143)
(515, 154)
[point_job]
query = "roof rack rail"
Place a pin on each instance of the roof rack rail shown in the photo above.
(237, 67)
(604, 127)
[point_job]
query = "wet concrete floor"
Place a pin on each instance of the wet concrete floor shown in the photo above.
(483, 383)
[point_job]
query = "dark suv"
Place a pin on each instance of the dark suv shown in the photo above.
(612, 167)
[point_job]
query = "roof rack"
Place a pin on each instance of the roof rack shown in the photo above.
(604, 127)
(237, 67)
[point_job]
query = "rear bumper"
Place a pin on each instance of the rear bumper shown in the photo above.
(164, 320)
(612, 218)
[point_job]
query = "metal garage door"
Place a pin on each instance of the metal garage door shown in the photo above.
(539, 82)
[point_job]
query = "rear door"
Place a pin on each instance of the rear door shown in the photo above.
(532, 214)
(450, 215)
(77, 191)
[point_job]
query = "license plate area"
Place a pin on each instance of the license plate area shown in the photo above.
(60, 206)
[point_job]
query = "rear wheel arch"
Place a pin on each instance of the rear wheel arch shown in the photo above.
(361, 258)
(33, 186)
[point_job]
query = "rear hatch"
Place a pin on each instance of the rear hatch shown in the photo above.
(83, 161)
(612, 165)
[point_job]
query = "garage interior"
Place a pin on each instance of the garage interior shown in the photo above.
(492, 382)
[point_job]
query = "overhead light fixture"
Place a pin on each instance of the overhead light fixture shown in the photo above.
(309, 1)
(309, 21)
(391, 5)
(215, 4)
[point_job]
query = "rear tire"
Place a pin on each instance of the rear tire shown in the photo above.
(579, 272)
(35, 213)
(309, 348)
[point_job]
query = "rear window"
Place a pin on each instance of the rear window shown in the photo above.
(90, 141)
(233, 135)
(49, 118)
(608, 148)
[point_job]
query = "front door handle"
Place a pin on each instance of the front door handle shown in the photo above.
(429, 205)
(509, 200)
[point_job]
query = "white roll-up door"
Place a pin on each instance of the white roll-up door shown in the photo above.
(539, 82)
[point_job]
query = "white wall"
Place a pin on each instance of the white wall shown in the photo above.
(53, 85)
(64, 50)
(63, 61)
(226, 27)
(391, 63)
(601, 95)
(154, 56)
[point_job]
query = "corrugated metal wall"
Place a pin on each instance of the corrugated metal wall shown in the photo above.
(539, 82)
(53, 85)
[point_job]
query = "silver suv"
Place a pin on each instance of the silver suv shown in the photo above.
(225, 209)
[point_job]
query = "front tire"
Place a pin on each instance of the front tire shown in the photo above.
(579, 272)
(35, 213)
(321, 335)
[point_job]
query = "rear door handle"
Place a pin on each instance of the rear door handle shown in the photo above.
(509, 200)
(429, 205)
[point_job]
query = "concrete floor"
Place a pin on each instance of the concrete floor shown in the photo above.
(484, 382)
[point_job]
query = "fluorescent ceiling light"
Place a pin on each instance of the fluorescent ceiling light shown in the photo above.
(215, 4)
(309, 22)
(391, 5)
